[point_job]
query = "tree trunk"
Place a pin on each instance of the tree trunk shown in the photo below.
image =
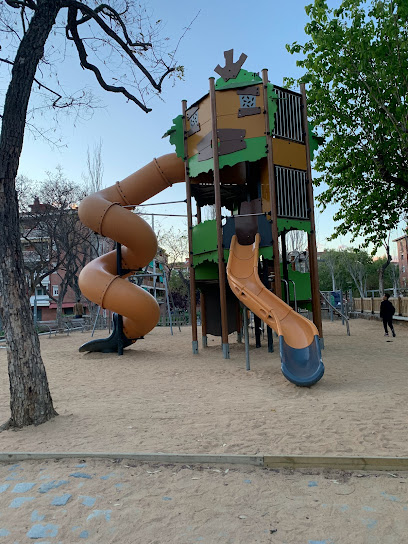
(381, 272)
(333, 282)
(30, 399)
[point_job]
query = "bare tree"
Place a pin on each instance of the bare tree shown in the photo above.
(209, 212)
(96, 31)
(43, 227)
(94, 174)
(331, 258)
(394, 273)
(296, 240)
(175, 243)
(72, 245)
(356, 265)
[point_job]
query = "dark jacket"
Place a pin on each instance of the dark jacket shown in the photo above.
(387, 310)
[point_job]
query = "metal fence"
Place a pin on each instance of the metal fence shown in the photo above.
(178, 319)
(291, 193)
(288, 118)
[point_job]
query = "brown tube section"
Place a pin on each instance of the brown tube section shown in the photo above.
(103, 213)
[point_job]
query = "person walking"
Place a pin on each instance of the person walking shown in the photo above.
(387, 310)
(78, 309)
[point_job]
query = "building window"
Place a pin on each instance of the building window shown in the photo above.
(55, 290)
(403, 269)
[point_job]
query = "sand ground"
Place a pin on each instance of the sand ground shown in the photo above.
(158, 397)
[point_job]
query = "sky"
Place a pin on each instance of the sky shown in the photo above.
(131, 138)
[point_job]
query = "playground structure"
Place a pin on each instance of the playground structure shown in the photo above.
(260, 171)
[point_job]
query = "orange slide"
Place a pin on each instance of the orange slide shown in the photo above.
(298, 337)
(103, 212)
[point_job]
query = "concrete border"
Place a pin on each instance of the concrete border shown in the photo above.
(266, 461)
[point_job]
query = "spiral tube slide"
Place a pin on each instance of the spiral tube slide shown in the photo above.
(301, 360)
(103, 212)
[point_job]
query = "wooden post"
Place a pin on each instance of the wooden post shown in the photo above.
(193, 306)
(272, 188)
(313, 266)
(217, 196)
(202, 300)
(372, 303)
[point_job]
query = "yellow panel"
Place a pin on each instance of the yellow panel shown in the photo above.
(289, 154)
(254, 125)
(228, 104)
(204, 118)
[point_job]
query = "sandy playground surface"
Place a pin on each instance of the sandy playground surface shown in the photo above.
(158, 397)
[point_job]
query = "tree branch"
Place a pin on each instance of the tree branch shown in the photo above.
(22, 4)
(74, 4)
(113, 14)
(59, 96)
(386, 174)
(72, 28)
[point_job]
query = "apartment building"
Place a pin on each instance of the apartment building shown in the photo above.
(402, 249)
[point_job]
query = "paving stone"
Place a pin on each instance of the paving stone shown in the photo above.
(35, 516)
(81, 475)
(111, 475)
(61, 500)
(44, 488)
(100, 513)
(43, 531)
(17, 502)
(87, 501)
(23, 487)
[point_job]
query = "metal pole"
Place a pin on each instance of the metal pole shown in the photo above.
(35, 307)
(239, 324)
(285, 265)
(265, 281)
(257, 325)
(120, 318)
(167, 301)
(294, 294)
(246, 335)
(313, 266)
(217, 194)
(96, 319)
(272, 188)
(202, 300)
(154, 267)
(193, 306)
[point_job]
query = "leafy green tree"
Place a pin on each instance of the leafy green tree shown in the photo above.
(356, 71)
(179, 288)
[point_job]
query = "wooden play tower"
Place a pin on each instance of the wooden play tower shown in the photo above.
(247, 149)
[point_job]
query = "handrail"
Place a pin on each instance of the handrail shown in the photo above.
(287, 290)
(294, 294)
(337, 310)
